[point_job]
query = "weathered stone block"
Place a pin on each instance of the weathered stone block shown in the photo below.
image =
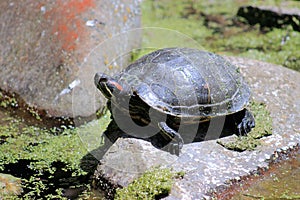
(49, 49)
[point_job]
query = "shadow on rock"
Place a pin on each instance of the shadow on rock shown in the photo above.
(207, 130)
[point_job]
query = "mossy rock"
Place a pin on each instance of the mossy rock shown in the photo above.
(263, 127)
(155, 183)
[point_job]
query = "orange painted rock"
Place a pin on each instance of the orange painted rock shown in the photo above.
(50, 50)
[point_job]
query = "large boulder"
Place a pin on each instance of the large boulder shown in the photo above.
(50, 48)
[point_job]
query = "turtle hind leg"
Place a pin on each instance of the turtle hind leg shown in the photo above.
(245, 123)
(176, 143)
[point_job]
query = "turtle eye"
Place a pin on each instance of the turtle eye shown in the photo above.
(105, 87)
(103, 79)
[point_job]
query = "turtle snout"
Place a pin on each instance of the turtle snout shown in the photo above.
(97, 78)
(106, 84)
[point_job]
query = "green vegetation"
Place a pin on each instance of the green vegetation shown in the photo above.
(7, 101)
(32, 143)
(46, 161)
(263, 127)
(153, 184)
(34, 112)
(215, 27)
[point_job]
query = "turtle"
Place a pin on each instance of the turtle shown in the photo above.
(176, 86)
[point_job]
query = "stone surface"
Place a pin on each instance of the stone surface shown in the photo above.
(209, 166)
(267, 16)
(10, 186)
(128, 158)
(49, 49)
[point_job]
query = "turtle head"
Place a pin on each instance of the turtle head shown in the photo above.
(108, 85)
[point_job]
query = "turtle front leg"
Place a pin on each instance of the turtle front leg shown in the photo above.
(247, 123)
(176, 143)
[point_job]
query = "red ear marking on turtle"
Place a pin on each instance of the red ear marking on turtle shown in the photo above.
(117, 85)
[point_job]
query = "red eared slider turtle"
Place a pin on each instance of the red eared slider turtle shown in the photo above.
(181, 85)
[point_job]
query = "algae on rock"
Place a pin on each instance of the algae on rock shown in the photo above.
(263, 127)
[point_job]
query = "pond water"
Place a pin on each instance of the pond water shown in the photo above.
(281, 181)
(49, 163)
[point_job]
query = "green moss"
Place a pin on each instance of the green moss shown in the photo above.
(213, 26)
(34, 112)
(266, 47)
(46, 155)
(263, 120)
(263, 127)
(7, 101)
(32, 143)
(41, 150)
(153, 184)
(292, 61)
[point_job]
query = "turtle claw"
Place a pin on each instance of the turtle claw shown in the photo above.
(176, 143)
(247, 123)
(172, 149)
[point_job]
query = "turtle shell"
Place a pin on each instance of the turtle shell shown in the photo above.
(187, 83)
